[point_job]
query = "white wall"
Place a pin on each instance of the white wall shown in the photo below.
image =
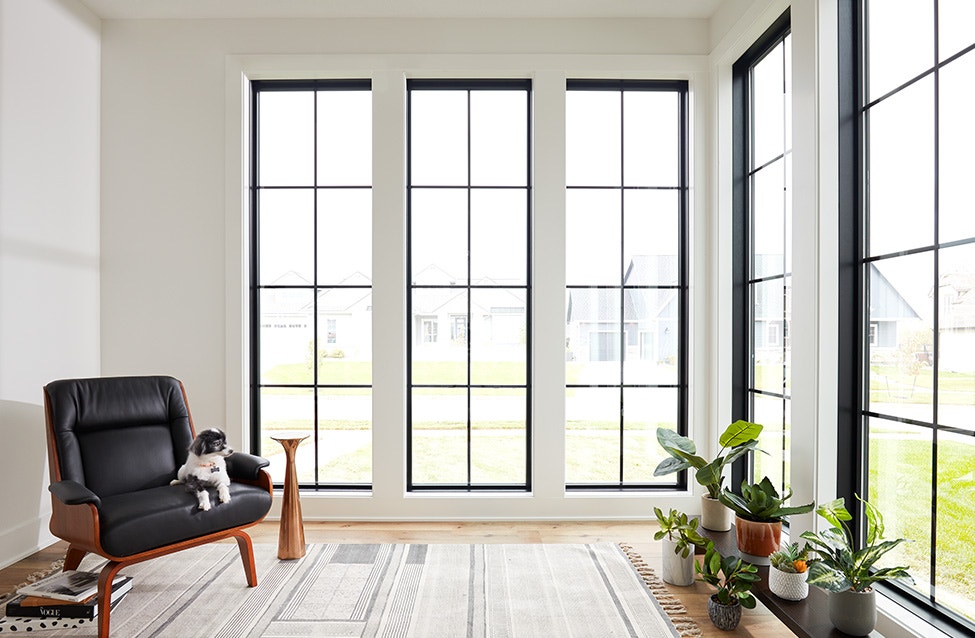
(49, 268)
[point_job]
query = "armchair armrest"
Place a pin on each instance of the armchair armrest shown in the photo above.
(73, 493)
(245, 466)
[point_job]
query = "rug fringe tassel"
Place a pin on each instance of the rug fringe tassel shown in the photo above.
(671, 605)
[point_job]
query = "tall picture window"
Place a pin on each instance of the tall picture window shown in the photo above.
(913, 421)
(311, 278)
(763, 247)
(469, 285)
(626, 279)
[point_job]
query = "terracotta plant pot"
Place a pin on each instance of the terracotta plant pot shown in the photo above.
(758, 539)
(853, 612)
(724, 617)
(788, 585)
(714, 515)
(677, 570)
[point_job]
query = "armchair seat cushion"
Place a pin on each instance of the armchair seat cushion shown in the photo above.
(135, 522)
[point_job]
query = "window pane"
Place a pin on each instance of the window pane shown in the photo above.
(956, 334)
(438, 138)
(344, 138)
(499, 236)
(650, 138)
(498, 436)
(768, 107)
(499, 335)
(768, 336)
(956, 207)
(345, 435)
(893, 59)
(768, 220)
(901, 308)
(345, 336)
(644, 410)
(651, 238)
(287, 336)
(956, 26)
(499, 138)
(956, 523)
(592, 238)
(439, 435)
(771, 413)
(344, 236)
(652, 329)
(900, 192)
(286, 413)
(592, 435)
(439, 351)
(900, 487)
(592, 336)
(592, 138)
(286, 232)
(286, 130)
(438, 236)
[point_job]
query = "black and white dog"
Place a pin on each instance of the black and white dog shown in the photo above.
(206, 467)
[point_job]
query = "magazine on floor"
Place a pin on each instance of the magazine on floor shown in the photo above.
(32, 606)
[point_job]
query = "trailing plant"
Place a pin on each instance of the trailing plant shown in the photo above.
(841, 567)
(761, 503)
(677, 527)
(732, 577)
(790, 559)
(738, 439)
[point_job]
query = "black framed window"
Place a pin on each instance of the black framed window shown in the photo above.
(762, 191)
(908, 247)
(469, 285)
(626, 279)
(311, 270)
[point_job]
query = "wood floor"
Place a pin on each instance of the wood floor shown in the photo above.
(756, 623)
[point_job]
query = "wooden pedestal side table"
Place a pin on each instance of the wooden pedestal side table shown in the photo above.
(291, 535)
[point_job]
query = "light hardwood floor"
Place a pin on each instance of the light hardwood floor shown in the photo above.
(756, 623)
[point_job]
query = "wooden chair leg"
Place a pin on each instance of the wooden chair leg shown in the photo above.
(247, 556)
(73, 557)
(105, 580)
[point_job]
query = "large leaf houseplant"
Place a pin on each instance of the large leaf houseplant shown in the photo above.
(848, 572)
(759, 511)
(737, 440)
(679, 536)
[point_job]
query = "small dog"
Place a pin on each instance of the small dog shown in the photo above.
(206, 467)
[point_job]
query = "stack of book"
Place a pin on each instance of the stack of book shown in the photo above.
(70, 594)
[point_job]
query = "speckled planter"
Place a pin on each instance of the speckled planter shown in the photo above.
(787, 585)
(724, 617)
(852, 612)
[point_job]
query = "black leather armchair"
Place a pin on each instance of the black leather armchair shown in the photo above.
(114, 444)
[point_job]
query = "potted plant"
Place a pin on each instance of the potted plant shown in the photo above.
(759, 511)
(788, 570)
(679, 535)
(733, 579)
(738, 439)
(848, 573)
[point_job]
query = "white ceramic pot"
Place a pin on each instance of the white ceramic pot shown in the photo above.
(787, 585)
(677, 570)
(714, 515)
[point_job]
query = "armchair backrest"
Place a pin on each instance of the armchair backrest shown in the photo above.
(117, 434)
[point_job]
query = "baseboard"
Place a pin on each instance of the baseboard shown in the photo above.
(19, 542)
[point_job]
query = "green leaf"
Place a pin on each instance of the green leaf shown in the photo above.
(673, 442)
(739, 433)
(825, 577)
(670, 465)
(834, 512)
(747, 601)
(741, 450)
(710, 474)
(875, 522)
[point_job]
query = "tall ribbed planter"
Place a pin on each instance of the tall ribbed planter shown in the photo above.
(853, 612)
(677, 570)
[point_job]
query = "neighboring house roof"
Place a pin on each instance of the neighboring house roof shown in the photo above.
(957, 293)
(603, 305)
(886, 304)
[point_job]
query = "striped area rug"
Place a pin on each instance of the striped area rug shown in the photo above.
(390, 591)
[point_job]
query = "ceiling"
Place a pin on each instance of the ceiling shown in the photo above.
(123, 9)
